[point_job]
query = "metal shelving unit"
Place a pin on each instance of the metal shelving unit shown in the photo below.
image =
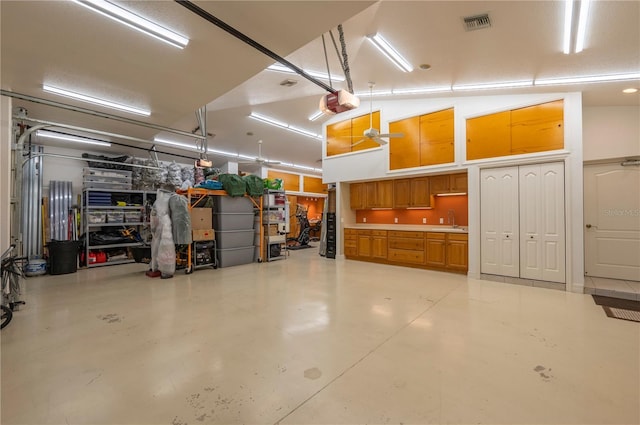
(95, 217)
(275, 224)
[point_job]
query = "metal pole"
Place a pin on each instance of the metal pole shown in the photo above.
(94, 113)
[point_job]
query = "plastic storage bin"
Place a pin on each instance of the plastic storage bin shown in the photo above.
(234, 238)
(235, 256)
(96, 217)
(132, 216)
(228, 204)
(232, 221)
(115, 217)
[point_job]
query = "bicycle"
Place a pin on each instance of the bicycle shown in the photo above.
(11, 273)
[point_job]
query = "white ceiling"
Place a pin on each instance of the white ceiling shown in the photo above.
(64, 44)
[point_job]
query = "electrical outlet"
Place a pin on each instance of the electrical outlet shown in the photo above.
(441, 220)
(364, 219)
(395, 220)
(424, 220)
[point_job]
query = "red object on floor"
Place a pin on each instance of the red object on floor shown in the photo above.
(152, 273)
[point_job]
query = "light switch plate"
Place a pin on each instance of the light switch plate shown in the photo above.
(441, 220)
(364, 219)
(424, 220)
(395, 220)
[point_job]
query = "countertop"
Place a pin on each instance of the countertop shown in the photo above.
(408, 227)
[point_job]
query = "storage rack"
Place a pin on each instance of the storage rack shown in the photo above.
(194, 197)
(274, 223)
(91, 219)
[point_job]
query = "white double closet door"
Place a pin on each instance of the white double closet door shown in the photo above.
(522, 222)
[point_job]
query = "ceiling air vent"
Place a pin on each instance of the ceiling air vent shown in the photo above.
(288, 83)
(477, 22)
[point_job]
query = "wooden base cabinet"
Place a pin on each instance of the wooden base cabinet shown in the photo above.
(457, 251)
(437, 250)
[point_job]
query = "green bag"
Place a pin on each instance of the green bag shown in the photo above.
(233, 184)
(254, 184)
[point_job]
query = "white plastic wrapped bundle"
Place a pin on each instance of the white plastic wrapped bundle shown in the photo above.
(163, 251)
(187, 174)
(174, 174)
(198, 176)
(136, 173)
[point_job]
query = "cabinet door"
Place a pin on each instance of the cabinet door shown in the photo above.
(350, 243)
(402, 193)
(385, 194)
(404, 152)
(379, 247)
(420, 192)
(489, 136)
(364, 245)
(371, 195)
(436, 249)
(436, 138)
(357, 196)
(358, 127)
(542, 249)
(537, 128)
(339, 138)
(439, 184)
(457, 252)
(458, 183)
(499, 244)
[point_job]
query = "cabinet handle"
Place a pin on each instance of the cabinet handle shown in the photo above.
(588, 226)
(531, 237)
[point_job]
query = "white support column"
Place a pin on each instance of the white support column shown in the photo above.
(264, 172)
(5, 171)
(230, 167)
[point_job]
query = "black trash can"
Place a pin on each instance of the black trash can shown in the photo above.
(63, 257)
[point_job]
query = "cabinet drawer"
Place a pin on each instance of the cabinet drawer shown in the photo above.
(350, 251)
(439, 236)
(350, 232)
(351, 243)
(378, 233)
(364, 232)
(405, 234)
(406, 243)
(406, 256)
(458, 237)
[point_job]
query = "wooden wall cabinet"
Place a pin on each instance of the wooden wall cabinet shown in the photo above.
(428, 139)
(357, 196)
(379, 194)
(448, 183)
(437, 138)
(342, 135)
(364, 243)
(409, 193)
(536, 128)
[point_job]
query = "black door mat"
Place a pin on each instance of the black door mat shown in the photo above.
(618, 308)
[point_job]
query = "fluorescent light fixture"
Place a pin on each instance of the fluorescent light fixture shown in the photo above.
(375, 93)
(134, 21)
(316, 116)
(588, 79)
(70, 138)
(241, 156)
(391, 53)
(568, 20)
(95, 100)
(422, 90)
(452, 194)
(224, 153)
(630, 90)
(419, 208)
(281, 68)
(582, 25)
(504, 85)
(172, 143)
(285, 126)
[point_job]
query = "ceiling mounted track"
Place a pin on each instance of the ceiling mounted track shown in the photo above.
(96, 113)
(234, 32)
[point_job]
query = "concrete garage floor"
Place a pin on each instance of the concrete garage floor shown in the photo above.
(311, 340)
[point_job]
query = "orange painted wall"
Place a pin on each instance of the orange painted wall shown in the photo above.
(441, 206)
(314, 206)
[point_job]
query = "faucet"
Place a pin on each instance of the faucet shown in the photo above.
(451, 218)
